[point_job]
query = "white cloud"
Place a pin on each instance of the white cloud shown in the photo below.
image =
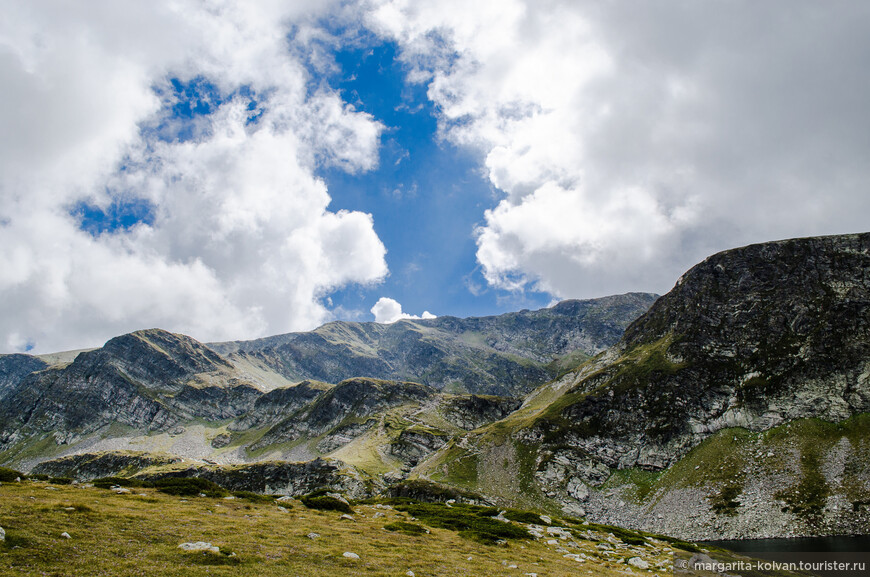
(388, 311)
(632, 140)
(241, 242)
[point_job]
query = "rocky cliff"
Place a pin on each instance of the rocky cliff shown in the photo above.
(750, 344)
(13, 369)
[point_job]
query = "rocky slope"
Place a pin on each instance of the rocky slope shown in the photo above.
(748, 342)
(148, 380)
(13, 369)
(241, 401)
(503, 355)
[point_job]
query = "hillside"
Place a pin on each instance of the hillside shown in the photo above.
(140, 530)
(737, 406)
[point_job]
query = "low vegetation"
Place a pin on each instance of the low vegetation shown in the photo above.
(321, 501)
(406, 528)
(138, 533)
(471, 521)
(189, 487)
(8, 475)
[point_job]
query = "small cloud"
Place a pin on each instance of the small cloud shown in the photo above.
(388, 310)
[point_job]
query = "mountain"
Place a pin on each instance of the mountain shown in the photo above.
(736, 406)
(500, 355)
(13, 368)
(241, 402)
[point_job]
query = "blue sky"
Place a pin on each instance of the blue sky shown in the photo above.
(427, 197)
(230, 170)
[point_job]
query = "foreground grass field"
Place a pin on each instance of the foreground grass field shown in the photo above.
(139, 533)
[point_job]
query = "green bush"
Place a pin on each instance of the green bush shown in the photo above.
(8, 475)
(37, 477)
(61, 480)
(323, 502)
(253, 497)
(406, 528)
(464, 518)
(189, 487)
(523, 516)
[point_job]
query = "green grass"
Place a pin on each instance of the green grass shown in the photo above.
(424, 490)
(721, 464)
(121, 535)
(107, 482)
(406, 528)
(808, 497)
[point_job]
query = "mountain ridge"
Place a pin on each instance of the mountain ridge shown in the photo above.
(764, 338)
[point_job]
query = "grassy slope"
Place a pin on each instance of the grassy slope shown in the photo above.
(132, 534)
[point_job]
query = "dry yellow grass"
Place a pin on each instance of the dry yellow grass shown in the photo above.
(133, 534)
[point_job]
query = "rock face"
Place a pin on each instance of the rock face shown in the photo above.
(752, 337)
(282, 478)
(501, 355)
(13, 369)
(471, 411)
(348, 406)
(149, 380)
(736, 406)
(88, 466)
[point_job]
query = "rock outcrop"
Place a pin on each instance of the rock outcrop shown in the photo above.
(89, 466)
(751, 337)
(348, 406)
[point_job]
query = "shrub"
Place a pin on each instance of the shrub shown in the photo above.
(464, 518)
(523, 516)
(8, 475)
(189, 487)
(253, 497)
(406, 528)
(37, 477)
(60, 480)
(325, 503)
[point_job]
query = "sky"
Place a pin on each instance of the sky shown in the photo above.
(230, 170)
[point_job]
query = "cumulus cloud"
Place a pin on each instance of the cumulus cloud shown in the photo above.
(239, 240)
(388, 311)
(631, 140)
